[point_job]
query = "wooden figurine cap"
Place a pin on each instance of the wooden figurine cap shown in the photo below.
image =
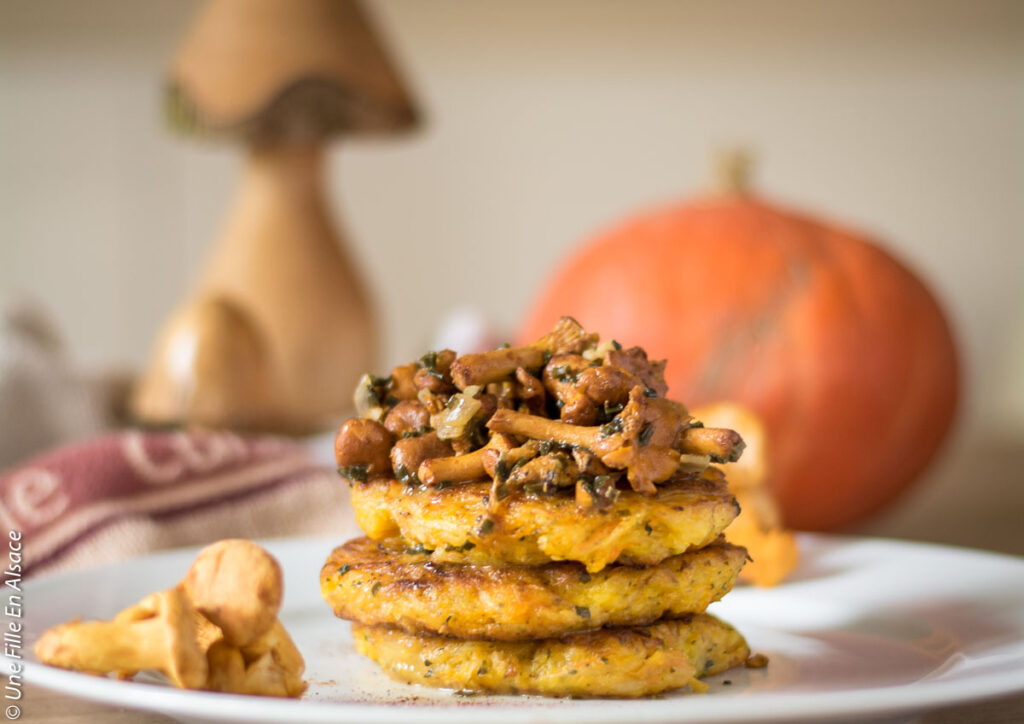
(286, 70)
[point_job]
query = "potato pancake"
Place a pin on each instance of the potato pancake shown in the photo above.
(619, 662)
(386, 583)
(456, 524)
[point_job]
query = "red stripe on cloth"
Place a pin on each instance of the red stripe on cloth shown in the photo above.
(50, 557)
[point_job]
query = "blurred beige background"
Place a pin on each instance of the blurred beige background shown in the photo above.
(547, 121)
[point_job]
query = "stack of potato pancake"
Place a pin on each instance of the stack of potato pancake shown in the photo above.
(539, 519)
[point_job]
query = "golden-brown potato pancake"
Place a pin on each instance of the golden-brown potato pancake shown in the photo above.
(620, 662)
(532, 530)
(375, 584)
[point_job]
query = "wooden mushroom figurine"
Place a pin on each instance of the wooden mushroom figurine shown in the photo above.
(281, 76)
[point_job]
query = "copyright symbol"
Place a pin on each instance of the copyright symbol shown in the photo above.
(13, 712)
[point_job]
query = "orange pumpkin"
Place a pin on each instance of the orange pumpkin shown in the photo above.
(836, 345)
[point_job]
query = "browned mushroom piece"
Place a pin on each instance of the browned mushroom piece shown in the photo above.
(361, 449)
(535, 427)
(635, 360)
(638, 440)
(482, 368)
(568, 336)
(645, 466)
(720, 444)
(401, 386)
(665, 417)
(650, 427)
(544, 473)
(461, 468)
(435, 372)
(408, 416)
(598, 394)
(486, 367)
(433, 403)
(427, 380)
(531, 391)
(504, 393)
(502, 465)
(563, 369)
(498, 445)
(597, 492)
(488, 406)
(585, 498)
(561, 372)
(409, 453)
(452, 469)
(589, 463)
(463, 445)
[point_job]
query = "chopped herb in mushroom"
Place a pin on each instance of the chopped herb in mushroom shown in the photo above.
(357, 473)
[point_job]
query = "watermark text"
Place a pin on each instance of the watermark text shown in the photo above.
(12, 625)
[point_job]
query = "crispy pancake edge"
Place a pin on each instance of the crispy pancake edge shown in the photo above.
(533, 530)
(615, 662)
(388, 584)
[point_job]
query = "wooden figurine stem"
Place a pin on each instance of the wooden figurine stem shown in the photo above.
(280, 257)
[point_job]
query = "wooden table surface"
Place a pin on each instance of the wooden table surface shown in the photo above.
(46, 707)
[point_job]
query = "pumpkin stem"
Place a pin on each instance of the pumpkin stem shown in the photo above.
(732, 172)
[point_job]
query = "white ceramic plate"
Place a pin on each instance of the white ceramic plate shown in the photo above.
(865, 628)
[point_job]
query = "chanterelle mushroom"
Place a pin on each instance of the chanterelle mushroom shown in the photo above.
(567, 337)
(233, 582)
(159, 633)
(545, 473)
(721, 445)
(407, 417)
(460, 468)
(237, 586)
(486, 367)
(635, 360)
(639, 439)
(530, 390)
(596, 392)
(435, 372)
(409, 453)
(362, 449)
(269, 666)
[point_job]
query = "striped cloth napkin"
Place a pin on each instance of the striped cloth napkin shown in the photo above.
(136, 491)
